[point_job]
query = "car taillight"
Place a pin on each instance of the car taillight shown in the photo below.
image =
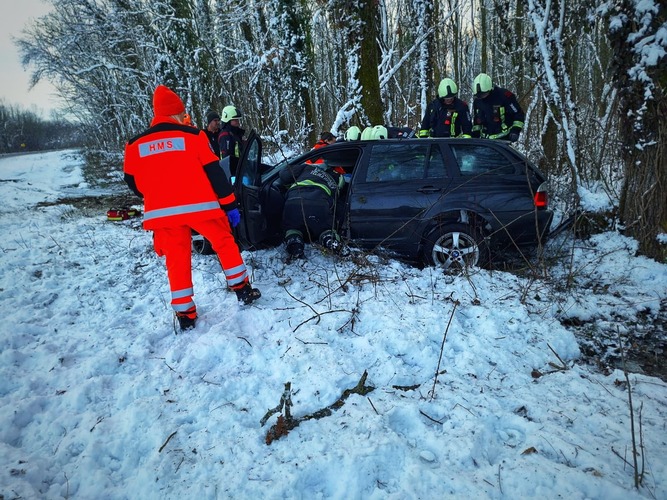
(541, 198)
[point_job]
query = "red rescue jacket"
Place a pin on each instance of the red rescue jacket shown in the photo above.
(174, 169)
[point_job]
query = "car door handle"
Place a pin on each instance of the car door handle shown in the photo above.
(429, 189)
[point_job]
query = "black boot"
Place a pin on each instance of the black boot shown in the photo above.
(248, 294)
(187, 319)
(294, 245)
(331, 241)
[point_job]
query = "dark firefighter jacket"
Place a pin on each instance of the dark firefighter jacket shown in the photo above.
(496, 115)
(446, 120)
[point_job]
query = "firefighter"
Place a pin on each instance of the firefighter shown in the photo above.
(446, 116)
(310, 206)
(231, 137)
(174, 169)
(496, 111)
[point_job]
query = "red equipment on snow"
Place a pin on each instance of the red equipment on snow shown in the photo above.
(117, 214)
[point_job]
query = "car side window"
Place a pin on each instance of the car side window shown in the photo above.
(397, 162)
(252, 176)
(479, 159)
(436, 165)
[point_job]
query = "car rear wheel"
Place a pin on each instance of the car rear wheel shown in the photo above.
(455, 247)
(201, 245)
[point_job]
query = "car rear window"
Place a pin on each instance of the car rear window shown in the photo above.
(404, 162)
(479, 159)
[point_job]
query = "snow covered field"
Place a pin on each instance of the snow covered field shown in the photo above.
(477, 388)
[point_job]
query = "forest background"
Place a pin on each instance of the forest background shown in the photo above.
(590, 75)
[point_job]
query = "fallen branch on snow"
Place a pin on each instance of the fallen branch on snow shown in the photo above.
(286, 422)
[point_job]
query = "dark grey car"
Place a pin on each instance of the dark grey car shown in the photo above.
(444, 202)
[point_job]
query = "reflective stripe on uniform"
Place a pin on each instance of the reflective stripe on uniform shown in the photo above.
(452, 127)
(179, 294)
(180, 210)
(183, 307)
(309, 183)
(236, 275)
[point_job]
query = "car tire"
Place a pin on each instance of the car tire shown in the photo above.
(455, 248)
(201, 245)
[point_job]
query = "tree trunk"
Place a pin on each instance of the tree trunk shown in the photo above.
(643, 207)
(368, 62)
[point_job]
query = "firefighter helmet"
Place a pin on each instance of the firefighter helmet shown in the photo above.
(367, 134)
(353, 133)
(447, 88)
(230, 113)
(482, 84)
(379, 132)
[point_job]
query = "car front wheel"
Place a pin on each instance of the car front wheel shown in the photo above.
(455, 247)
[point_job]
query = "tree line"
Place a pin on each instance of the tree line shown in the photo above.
(23, 130)
(590, 76)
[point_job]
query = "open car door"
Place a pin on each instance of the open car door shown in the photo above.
(253, 229)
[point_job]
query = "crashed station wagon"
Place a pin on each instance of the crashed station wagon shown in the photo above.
(443, 202)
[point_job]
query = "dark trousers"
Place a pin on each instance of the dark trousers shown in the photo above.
(309, 213)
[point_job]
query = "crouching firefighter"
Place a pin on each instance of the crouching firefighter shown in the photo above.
(310, 207)
(174, 169)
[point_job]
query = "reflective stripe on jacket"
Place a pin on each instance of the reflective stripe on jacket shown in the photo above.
(311, 176)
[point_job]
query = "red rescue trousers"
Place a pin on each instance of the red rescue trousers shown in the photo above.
(175, 244)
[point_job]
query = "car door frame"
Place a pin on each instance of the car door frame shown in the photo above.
(253, 228)
(403, 237)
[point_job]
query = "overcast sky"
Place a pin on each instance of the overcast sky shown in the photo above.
(14, 80)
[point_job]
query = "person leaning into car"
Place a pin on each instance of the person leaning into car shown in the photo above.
(174, 169)
(496, 111)
(446, 116)
(310, 205)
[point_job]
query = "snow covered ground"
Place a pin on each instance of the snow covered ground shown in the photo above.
(470, 396)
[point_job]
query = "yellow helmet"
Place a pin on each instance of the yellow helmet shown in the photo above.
(230, 113)
(380, 132)
(353, 133)
(447, 88)
(482, 84)
(367, 134)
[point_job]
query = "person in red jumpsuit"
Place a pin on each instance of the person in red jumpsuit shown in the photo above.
(173, 168)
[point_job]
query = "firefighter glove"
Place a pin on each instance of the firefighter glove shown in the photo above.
(513, 135)
(234, 217)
